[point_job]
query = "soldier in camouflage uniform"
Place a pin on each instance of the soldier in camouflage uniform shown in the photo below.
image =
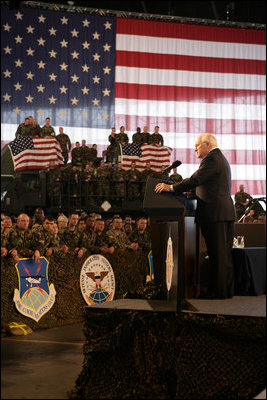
(241, 201)
(71, 239)
(118, 237)
(3, 240)
(162, 174)
(103, 243)
(19, 240)
(112, 149)
(145, 135)
(53, 183)
(175, 178)
(89, 235)
(119, 178)
(75, 184)
(65, 144)
(144, 176)
(138, 136)
(122, 137)
(24, 129)
(35, 129)
(156, 138)
(44, 239)
(88, 183)
(102, 177)
(141, 236)
(133, 178)
(85, 152)
(47, 129)
(76, 155)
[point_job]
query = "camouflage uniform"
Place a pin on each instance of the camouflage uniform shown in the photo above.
(143, 177)
(143, 240)
(75, 183)
(65, 145)
(137, 137)
(88, 240)
(145, 137)
(133, 177)
(43, 240)
(102, 176)
(119, 178)
(88, 184)
(162, 175)
(92, 156)
(101, 241)
(47, 131)
(23, 130)
(85, 152)
(241, 197)
(35, 130)
(118, 239)
(76, 156)
(175, 178)
(53, 185)
(156, 138)
(112, 150)
(22, 242)
(72, 239)
(122, 138)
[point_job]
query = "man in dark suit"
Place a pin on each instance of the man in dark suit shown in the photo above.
(215, 211)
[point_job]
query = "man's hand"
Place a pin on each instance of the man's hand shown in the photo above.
(133, 246)
(36, 256)
(111, 250)
(162, 187)
(3, 251)
(80, 253)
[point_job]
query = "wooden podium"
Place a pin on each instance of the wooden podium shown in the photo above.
(172, 216)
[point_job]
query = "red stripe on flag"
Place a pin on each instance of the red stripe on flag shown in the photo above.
(187, 31)
(193, 125)
(183, 93)
(251, 186)
(189, 63)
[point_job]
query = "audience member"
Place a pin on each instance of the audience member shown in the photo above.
(133, 177)
(156, 138)
(175, 177)
(138, 136)
(241, 201)
(102, 240)
(250, 218)
(112, 149)
(76, 155)
(44, 240)
(65, 144)
(119, 238)
(141, 236)
(122, 136)
(145, 135)
(24, 129)
(71, 239)
(47, 129)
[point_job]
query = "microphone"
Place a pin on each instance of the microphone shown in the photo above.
(174, 165)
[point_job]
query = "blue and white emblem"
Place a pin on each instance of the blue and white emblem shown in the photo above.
(97, 280)
(34, 297)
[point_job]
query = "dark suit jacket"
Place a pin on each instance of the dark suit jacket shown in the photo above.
(212, 181)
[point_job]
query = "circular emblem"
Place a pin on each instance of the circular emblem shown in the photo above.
(97, 280)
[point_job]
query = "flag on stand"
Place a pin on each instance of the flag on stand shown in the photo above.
(35, 152)
(142, 153)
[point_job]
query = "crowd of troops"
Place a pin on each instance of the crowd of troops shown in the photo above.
(77, 235)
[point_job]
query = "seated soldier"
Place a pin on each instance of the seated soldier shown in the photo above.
(119, 238)
(19, 240)
(71, 238)
(62, 223)
(102, 242)
(175, 178)
(44, 239)
(141, 236)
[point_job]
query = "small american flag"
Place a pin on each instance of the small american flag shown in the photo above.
(35, 152)
(142, 153)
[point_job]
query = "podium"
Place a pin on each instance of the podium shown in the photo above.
(172, 217)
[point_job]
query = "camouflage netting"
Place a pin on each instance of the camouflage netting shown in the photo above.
(130, 269)
(140, 354)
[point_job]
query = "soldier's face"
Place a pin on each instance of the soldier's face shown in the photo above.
(62, 224)
(141, 224)
(99, 226)
(48, 225)
(23, 223)
(117, 224)
(73, 221)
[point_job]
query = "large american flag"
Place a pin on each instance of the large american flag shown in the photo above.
(89, 73)
(142, 153)
(35, 152)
